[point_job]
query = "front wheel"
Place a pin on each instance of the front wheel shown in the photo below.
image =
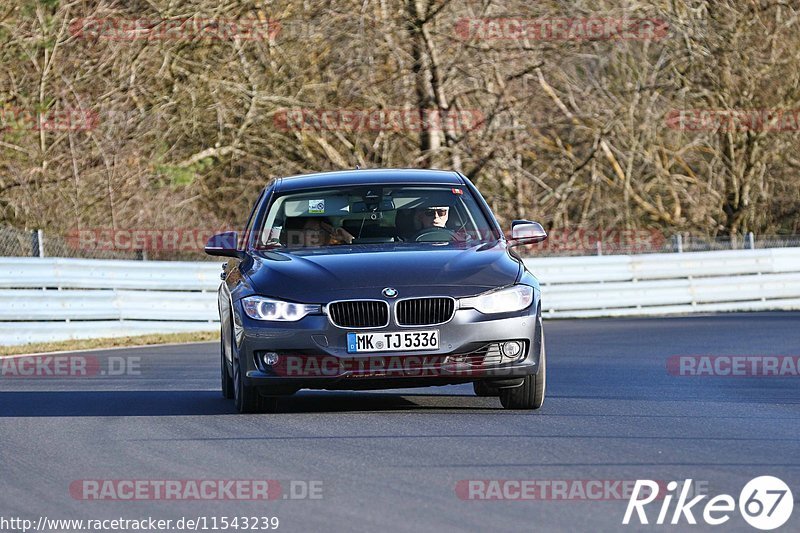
(245, 397)
(227, 380)
(529, 395)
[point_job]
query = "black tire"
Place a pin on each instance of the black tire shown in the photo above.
(483, 390)
(529, 395)
(245, 397)
(226, 379)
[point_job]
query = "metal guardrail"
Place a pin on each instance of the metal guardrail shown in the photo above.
(62, 273)
(50, 299)
(657, 284)
(47, 299)
(81, 304)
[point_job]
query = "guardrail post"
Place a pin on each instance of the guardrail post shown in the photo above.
(37, 243)
(678, 243)
(751, 241)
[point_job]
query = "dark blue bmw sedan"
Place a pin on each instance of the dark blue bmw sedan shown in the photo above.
(376, 279)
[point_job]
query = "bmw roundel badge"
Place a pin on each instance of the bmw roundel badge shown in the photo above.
(390, 292)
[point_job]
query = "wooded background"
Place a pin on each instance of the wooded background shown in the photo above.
(183, 131)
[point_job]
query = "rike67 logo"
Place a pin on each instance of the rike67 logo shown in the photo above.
(765, 503)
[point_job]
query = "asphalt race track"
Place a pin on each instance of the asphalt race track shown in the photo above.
(393, 460)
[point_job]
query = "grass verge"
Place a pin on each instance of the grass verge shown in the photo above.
(87, 344)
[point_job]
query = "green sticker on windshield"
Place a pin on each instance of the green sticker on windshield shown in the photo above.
(316, 206)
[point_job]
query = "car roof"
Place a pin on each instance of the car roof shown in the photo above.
(369, 177)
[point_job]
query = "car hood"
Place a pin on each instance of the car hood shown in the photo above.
(363, 271)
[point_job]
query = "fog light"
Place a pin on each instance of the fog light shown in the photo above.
(270, 359)
(511, 349)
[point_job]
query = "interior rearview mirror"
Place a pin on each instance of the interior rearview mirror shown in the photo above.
(384, 204)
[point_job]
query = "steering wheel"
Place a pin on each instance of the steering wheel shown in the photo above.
(435, 235)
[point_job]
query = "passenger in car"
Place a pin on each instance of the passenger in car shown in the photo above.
(318, 231)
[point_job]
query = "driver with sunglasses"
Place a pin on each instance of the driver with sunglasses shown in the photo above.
(431, 217)
(430, 224)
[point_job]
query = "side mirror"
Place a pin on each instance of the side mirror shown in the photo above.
(526, 232)
(224, 244)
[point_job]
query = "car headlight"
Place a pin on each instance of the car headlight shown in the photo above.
(261, 308)
(508, 300)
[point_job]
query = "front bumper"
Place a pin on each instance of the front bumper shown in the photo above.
(313, 354)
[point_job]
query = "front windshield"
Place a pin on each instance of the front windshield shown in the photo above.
(375, 214)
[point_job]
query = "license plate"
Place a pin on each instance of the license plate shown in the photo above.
(387, 341)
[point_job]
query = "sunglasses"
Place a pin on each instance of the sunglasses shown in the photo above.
(436, 212)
